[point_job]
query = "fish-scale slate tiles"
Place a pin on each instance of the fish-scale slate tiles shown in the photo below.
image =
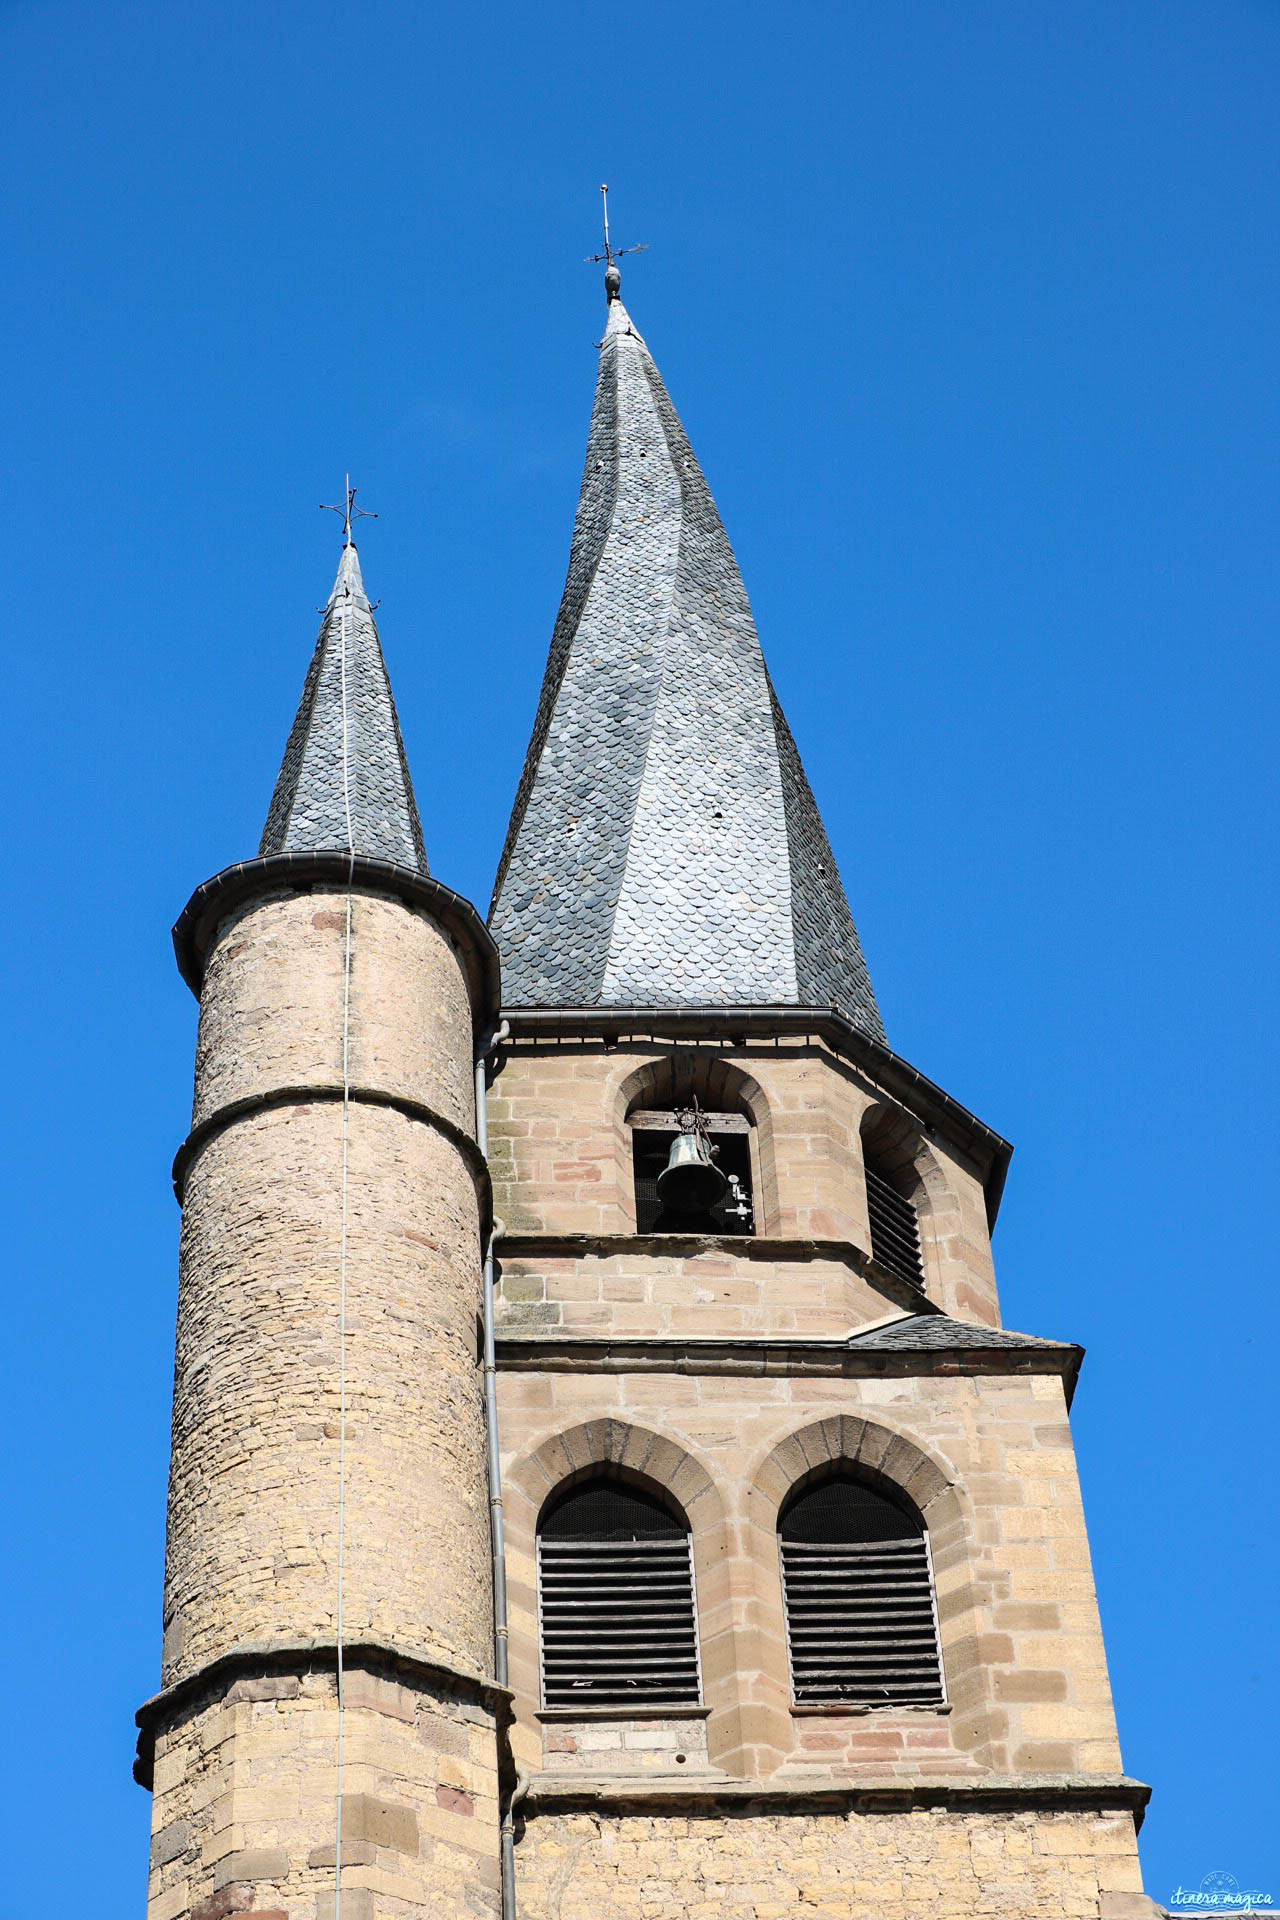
(664, 848)
(308, 811)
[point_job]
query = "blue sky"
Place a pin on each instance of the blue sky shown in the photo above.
(971, 313)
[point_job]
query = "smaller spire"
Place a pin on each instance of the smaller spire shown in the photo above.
(611, 254)
(344, 783)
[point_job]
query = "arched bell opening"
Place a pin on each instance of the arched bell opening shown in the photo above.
(699, 1151)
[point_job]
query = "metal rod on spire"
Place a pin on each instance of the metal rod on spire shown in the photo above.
(350, 512)
(611, 253)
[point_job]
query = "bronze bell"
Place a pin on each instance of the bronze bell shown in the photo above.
(691, 1182)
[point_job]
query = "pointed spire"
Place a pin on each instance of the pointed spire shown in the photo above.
(664, 848)
(344, 783)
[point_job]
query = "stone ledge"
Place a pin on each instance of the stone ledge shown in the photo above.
(218, 1677)
(605, 1715)
(697, 1796)
(255, 1103)
(753, 1356)
(302, 872)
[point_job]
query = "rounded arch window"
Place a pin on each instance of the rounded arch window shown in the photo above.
(857, 1585)
(616, 1606)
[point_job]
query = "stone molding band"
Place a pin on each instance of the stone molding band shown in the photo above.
(774, 1359)
(1050, 1793)
(255, 1103)
(197, 924)
(290, 1658)
(733, 1027)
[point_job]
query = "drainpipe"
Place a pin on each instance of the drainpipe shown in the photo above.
(497, 1540)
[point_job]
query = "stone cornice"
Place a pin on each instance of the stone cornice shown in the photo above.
(198, 922)
(687, 1246)
(256, 1103)
(753, 1356)
(302, 1656)
(735, 1028)
(621, 1795)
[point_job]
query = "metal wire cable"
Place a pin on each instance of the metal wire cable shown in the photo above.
(342, 1261)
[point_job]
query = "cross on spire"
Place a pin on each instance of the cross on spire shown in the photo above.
(349, 513)
(611, 254)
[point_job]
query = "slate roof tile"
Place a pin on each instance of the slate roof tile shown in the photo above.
(664, 847)
(308, 810)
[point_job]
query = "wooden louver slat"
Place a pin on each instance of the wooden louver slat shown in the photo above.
(895, 1228)
(861, 1623)
(618, 1623)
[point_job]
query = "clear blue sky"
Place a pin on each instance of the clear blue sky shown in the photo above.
(971, 313)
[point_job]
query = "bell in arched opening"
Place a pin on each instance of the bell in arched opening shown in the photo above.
(691, 1182)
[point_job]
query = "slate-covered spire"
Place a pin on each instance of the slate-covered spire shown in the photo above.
(664, 848)
(309, 806)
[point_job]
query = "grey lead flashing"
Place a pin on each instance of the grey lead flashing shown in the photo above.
(731, 1027)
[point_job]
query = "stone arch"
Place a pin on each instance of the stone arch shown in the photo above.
(646, 1458)
(888, 1456)
(673, 1079)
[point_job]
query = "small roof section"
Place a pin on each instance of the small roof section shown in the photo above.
(664, 847)
(344, 782)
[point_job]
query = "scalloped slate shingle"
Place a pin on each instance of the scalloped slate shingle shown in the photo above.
(308, 810)
(664, 847)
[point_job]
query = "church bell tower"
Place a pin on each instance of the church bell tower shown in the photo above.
(603, 1486)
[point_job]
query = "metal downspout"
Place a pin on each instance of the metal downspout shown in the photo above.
(497, 1531)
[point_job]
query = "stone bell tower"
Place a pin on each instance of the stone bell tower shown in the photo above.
(326, 1740)
(802, 1619)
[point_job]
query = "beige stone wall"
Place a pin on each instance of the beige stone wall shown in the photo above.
(988, 1461)
(246, 1804)
(858, 1866)
(254, 1479)
(270, 1009)
(252, 1557)
(560, 1154)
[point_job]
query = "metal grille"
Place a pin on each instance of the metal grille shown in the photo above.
(861, 1622)
(895, 1229)
(617, 1614)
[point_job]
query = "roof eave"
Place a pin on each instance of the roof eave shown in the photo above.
(920, 1096)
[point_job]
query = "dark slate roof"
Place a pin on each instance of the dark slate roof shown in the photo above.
(939, 1333)
(309, 807)
(664, 848)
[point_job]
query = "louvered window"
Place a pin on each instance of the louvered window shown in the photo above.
(858, 1588)
(615, 1601)
(895, 1228)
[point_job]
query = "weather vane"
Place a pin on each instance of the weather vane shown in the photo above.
(611, 254)
(349, 513)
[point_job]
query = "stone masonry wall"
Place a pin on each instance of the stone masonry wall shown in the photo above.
(252, 1554)
(560, 1155)
(246, 1804)
(856, 1866)
(987, 1460)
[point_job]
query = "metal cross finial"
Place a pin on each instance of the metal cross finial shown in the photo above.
(611, 254)
(349, 513)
